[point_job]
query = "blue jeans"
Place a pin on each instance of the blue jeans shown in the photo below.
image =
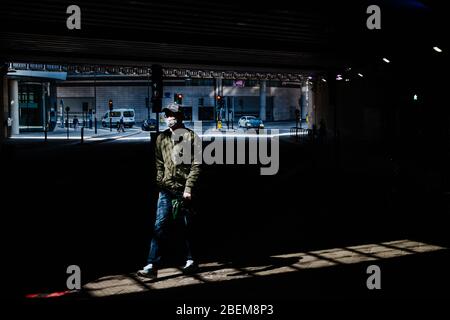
(163, 219)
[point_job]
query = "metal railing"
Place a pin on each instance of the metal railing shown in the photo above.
(300, 134)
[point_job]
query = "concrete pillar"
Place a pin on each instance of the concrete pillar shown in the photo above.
(45, 89)
(233, 103)
(312, 106)
(53, 99)
(220, 86)
(304, 101)
(195, 108)
(3, 107)
(262, 99)
(218, 90)
(14, 102)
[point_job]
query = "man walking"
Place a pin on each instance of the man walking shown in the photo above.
(177, 181)
(121, 125)
(75, 122)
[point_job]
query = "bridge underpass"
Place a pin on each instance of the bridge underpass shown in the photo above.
(372, 190)
(86, 90)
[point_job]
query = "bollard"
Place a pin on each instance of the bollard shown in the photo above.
(152, 137)
(82, 134)
(45, 134)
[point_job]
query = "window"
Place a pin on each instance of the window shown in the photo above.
(128, 114)
(115, 114)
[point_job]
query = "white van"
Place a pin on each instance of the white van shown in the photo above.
(116, 114)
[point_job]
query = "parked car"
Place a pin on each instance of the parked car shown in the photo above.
(250, 122)
(149, 125)
(115, 115)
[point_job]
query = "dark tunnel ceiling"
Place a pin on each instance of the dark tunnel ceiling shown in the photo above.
(280, 35)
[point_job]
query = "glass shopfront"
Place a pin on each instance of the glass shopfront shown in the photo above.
(31, 106)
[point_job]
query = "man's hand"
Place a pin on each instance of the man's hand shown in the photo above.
(187, 196)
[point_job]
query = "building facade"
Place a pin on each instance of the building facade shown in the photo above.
(270, 100)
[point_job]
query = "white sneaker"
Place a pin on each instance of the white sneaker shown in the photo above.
(148, 267)
(190, 267)
(189, 263)
(149, 271)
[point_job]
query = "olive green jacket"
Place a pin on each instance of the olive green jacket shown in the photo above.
(178, 163)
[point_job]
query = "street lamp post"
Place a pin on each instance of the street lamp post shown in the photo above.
(148, 95)
(157, 92)
(95, 101)
(67, 120)
(110, 105)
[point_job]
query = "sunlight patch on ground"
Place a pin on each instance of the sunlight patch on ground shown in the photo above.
(215, 272)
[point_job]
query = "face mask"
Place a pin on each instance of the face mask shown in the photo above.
(171, 122)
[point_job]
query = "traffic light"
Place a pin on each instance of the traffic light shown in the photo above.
(110, 104)
(157, 87)
(220, 101)
(178, 98)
